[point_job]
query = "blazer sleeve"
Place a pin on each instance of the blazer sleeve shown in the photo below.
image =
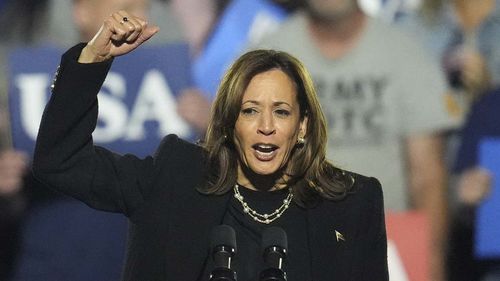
(65, 158)
(376, 267)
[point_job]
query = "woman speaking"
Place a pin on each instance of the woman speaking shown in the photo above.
(261, 164)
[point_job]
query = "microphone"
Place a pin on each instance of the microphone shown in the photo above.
(223, 245)
(274, 245)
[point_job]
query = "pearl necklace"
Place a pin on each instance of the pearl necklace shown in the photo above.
(263, 218)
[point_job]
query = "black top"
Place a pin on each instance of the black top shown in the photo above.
(170, 221)
(248, 261)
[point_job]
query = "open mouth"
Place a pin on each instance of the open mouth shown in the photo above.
(265, 152)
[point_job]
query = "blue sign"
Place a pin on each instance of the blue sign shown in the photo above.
(243, 22)
(487, 222)
(137, 102)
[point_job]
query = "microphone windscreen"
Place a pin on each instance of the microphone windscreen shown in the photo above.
(274, 236)
(223, 235)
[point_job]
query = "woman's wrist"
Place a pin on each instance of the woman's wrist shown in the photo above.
(88, 55)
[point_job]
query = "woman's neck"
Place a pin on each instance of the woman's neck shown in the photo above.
(336, 38)
(249, 179)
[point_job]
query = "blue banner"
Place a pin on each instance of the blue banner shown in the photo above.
(137, 103)
(487, 244)
(243, 22)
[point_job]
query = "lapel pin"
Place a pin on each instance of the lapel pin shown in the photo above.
(339, 236)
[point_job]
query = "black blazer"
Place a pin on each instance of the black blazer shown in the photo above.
(170, 221)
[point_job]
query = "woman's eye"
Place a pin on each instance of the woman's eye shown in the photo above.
(282, 112)
(248, 111)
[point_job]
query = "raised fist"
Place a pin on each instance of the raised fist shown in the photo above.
(119, 34)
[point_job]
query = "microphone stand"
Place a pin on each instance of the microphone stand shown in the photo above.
(274, 245)
(275, 256)
(223, 244)
(223, 272)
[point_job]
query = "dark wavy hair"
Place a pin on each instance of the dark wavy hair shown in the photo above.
(309, 173)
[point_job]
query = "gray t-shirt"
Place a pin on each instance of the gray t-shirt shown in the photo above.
(380, 92)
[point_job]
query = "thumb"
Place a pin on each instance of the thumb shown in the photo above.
(148, 32)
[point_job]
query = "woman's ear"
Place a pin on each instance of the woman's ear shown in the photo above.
(303, 127)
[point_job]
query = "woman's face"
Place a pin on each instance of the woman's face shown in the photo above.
(268, 123)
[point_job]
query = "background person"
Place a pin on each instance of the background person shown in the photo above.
(15, 182)
(463, 37)
(385, 103)
(474, 185)
(13, 168)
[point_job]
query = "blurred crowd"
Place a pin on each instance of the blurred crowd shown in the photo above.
(409, 89)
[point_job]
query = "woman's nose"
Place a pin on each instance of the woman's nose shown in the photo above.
(266, 124)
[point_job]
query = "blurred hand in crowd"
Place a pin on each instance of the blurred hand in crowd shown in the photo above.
(473, 186)
(13, 166)
(475, 74)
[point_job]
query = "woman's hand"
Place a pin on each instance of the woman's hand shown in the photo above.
(119, 34)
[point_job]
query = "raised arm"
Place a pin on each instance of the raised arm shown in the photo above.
(65, 157)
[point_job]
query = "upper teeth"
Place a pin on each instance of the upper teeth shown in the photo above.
(265, 148)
